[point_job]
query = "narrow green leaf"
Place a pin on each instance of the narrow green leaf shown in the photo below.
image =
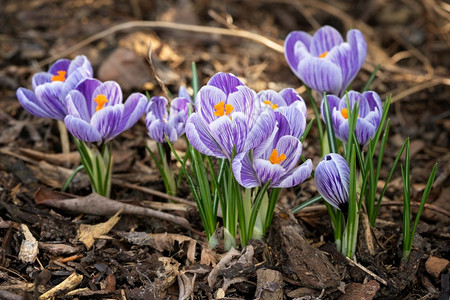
(329, 126)
(371, 78)
(306, 203)
(255, 208)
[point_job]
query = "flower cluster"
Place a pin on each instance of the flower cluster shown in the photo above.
(258, 133)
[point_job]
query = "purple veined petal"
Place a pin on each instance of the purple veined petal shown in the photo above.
(243, 100)
(290, 96)
(207, 98)
(183, 93)
(338, 119)
(87, 88)
(171, 132)
(295, 176)
(374, 118)
(197, 132)
(292, 148)
(180, 105)
(155, 128)
(356, 40)
(320, 75)
(226, 82)
(353, 97)
(262, 128)
(302, 53)
(296, 120)
(290, 44)
(272, 97)
(230, 133)
(40, 78)
(342, 131)
(81, 129)
(28, 100)
(80, 61)
(73, 80)
(111, 90)
(158, 107)
(364, 131)
(332, 178)
(264, 149)
(106, 121)
(133, 109)
(342, 56)
(243, 171)
(48, 98)
(371, 102)
(77, 106)
(324, 40)
(266, 171)
(336, 116)
(178, 122)
(59, 65)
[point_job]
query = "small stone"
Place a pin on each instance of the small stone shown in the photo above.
(436, 265)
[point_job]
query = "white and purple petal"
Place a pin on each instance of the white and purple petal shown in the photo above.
(266, 171)
(111, 90)
(48, 96)
(206, 99)
(324, 40)
(82, 130)
(244, 172)
(332, 178)
(28, 100)
(106, 121)
(290, 44)
(226, 82)
(199, 136)
(295, 176)
(320, 74)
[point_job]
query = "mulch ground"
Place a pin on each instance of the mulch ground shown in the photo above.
(140, 257)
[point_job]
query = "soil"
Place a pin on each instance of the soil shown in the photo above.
(142, 257)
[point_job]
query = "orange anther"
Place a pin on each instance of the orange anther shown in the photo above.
(60, 77)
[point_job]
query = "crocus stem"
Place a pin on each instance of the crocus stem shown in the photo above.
(64, 136)
(316, 115)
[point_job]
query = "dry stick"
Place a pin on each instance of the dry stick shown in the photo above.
(378, 278)
(167, 25)
(152, 192)
(161, 83)
(432, 207)
(420, 87)
(96, 204)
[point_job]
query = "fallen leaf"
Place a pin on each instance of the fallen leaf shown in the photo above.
(87, 233)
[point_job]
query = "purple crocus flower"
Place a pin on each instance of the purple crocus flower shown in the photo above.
(228, 118)
(279, 165)
(48, 98)
(290, 109)
(369, 115)
(96, 112)
(332, 178)
(160, 123)
(324, 62)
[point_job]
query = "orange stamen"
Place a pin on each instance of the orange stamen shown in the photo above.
(223, 109)
(273, 106)
(101, 101)
(60, 77)
(323, 54)
(344, 113)
(275, 159)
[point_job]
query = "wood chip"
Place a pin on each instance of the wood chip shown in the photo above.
(29, 247)
(435, 266)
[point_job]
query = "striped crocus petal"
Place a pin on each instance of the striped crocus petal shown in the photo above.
(82, 130)
(199, 136)
(28, 100)
(332, 178)
(225, 82)
(324, 62)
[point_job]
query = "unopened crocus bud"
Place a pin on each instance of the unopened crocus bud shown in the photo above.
(332, 178)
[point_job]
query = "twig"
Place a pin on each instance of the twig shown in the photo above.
(152, 192)
(161, 83)
(166, 25)
(378, 278)
(437, 209)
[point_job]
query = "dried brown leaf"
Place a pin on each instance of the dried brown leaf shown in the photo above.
(87, 233)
